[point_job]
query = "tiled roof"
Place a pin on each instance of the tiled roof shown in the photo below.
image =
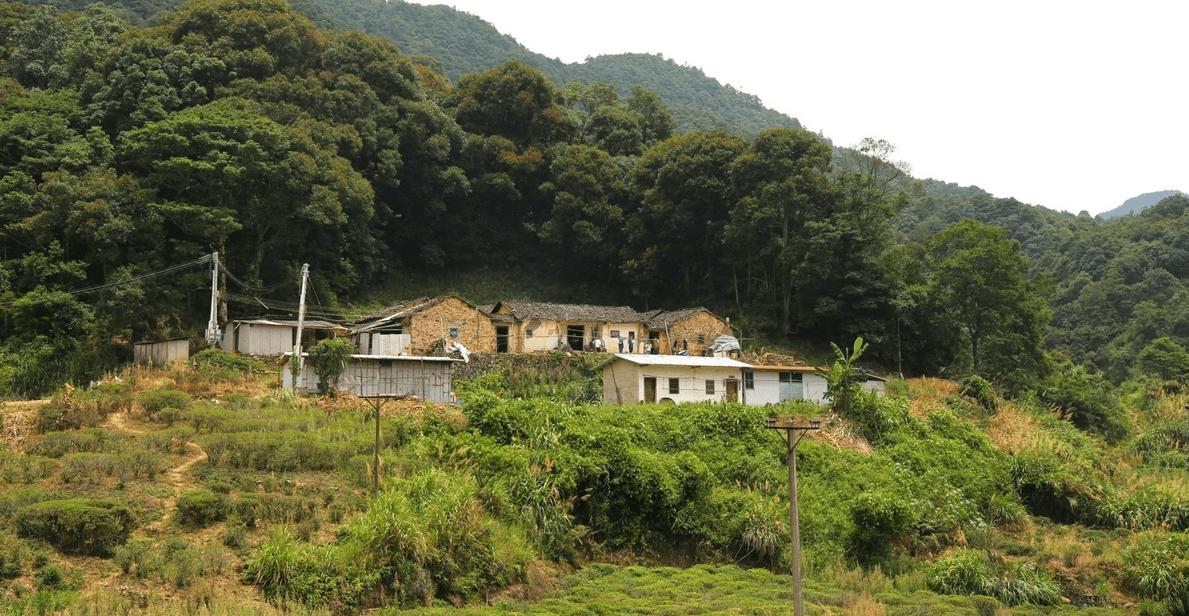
(573, 312)
(662, 319)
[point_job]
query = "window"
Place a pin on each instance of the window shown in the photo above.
(615, 333)
(710, 386)
(701, 338)
(749, 380)
(674, 386)
(454, 333)
(528, 333)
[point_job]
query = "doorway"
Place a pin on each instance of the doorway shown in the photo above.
(501, 339)
(576, 336)
(650, 389)
(732, 390)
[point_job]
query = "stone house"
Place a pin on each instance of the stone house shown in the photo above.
(413, 327)
(526, 327)
(691, 330)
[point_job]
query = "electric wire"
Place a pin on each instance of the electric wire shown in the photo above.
(134, 279)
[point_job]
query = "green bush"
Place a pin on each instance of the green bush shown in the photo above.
(201, 507)
(1088, 400)
(880, 516)
(51, 577)
(328, 359)
(77, 526)
(972, 572)
(157, 400)
(168, 416)
(981, 390)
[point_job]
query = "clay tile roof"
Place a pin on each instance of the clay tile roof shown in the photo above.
(573, 312)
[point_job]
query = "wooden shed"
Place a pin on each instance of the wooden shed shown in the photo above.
(275, 336)
(430, 379)
(631, 378)
(162, 352)
(413, 327)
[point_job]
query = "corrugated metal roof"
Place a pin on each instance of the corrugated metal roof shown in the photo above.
(309, 323)
(397, 357)
(680, 360)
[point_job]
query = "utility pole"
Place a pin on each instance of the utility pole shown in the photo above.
(212, 326)
(301, 319)
(789, 426)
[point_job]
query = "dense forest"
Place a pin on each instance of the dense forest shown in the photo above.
(240, 127)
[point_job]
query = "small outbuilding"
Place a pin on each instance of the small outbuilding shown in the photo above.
(276, 336)
(430, 379)
(631, 378)
(162, 352)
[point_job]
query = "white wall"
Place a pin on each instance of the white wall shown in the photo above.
(767, 388)
(691, 382)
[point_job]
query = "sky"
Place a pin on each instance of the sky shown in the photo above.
(1070, 105)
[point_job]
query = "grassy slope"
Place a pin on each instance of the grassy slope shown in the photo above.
(200, 575)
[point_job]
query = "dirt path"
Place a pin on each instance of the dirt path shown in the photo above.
(175, 476)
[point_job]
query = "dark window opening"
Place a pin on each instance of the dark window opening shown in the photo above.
(575, 336)
(674, 386)
(501, 339)
(749, 380)
(709, 386)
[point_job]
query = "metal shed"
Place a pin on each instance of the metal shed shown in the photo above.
(428, 378)
(161, 352)
(274, 336)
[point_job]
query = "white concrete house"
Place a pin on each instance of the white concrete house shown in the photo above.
(631, 378)
(775, 384)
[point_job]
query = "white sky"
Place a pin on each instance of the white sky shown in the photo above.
(1070, 105)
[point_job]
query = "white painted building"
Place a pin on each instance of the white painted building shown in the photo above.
(775, 384)
(631, 378)
(430, 379)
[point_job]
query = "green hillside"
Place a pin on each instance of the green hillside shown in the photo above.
(460, 43)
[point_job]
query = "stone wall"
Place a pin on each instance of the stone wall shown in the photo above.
(699, 329)
(473, 329)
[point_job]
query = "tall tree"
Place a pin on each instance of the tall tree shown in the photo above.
(783, 184)
(982, 282)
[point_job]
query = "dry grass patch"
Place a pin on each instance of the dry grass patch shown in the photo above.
(1013, 430)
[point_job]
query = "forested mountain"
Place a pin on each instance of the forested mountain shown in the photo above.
(463, 43)
(1137, 204)
(238, 126)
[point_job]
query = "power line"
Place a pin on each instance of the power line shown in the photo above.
(134, 279)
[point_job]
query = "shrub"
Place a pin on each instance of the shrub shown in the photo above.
(981, 390)
(328, 359)
(155, 401)
(77, 526)
(168, 416)
(880, 516)
(1087, 399)
(971, 572)
(201, 507)
(57, 444)
(51, 577)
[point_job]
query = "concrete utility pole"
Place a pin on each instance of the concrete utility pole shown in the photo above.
(212, 326)
(789, 426)
(301, 319)
(377, 402)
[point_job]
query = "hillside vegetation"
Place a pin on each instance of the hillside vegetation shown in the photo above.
(201, 489)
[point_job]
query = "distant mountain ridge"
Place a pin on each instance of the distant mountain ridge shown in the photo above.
(457, 43)
(1135, 204)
